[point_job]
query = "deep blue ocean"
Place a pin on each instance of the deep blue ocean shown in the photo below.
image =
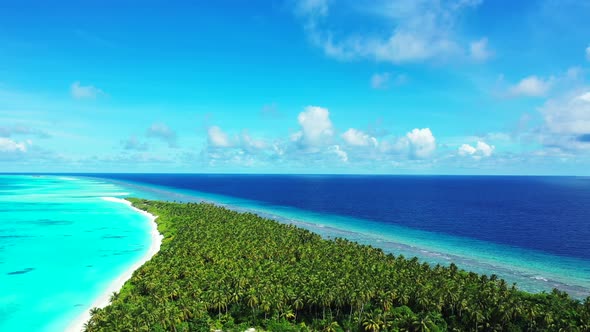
(550, 214)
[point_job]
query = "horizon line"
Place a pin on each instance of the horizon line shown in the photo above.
(293, 174)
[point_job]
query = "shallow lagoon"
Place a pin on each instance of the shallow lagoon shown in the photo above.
(61, 245)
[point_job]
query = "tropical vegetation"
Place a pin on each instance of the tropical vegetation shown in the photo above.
(218, 269)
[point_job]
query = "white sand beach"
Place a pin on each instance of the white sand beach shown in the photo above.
(103, 300)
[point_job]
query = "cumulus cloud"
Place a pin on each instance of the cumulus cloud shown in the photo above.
(416, 144)
(218, 138)
(479, 51)
(588, 53)
(466, 149)
(531, 86)
(8, 145)
(226, 149)
(584, 97)
(485, 149)
(79, 91)
(316, 144)
(481, 149)
(316, 127)
(252, 144)
(163, 132)
(569, 114)
(422, 142)
(418, 30)
(342, 155)
(399, 146)
(356, 137)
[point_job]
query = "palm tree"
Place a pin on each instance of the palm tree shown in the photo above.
(374, 321)
(422, 324)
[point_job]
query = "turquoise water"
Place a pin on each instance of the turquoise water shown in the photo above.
(60, 247)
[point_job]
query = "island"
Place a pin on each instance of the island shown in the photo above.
(223, 270)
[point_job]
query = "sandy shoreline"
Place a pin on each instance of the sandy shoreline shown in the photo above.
(103, 300)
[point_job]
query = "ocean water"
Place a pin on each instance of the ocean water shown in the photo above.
(60, 246)
(534, 231)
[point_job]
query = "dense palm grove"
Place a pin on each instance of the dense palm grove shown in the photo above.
(223, 270)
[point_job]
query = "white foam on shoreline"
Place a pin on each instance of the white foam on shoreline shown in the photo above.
(102, 301)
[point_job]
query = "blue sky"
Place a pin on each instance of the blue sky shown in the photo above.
(296, 86)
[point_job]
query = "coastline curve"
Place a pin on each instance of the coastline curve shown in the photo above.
(102, 301)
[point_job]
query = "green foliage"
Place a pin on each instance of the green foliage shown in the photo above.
(219, 269)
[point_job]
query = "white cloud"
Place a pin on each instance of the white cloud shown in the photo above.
(407, 46)
(400, 146)
(356, 137)
(467, 149)
(416, 144)
(418, 30)
(316, 145)
(296, 137)
(162, 132)
(340, 153)
(479, 50)
(400, 47)
(84, 92)
(316, 127)
(218, 138)
(422, 142)
(585, 97)
(485, 149)
(531, 86)
(568, 115)
(250, 143)
(8, 145)
(243, 149)
(482, 149)
(588, 53)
